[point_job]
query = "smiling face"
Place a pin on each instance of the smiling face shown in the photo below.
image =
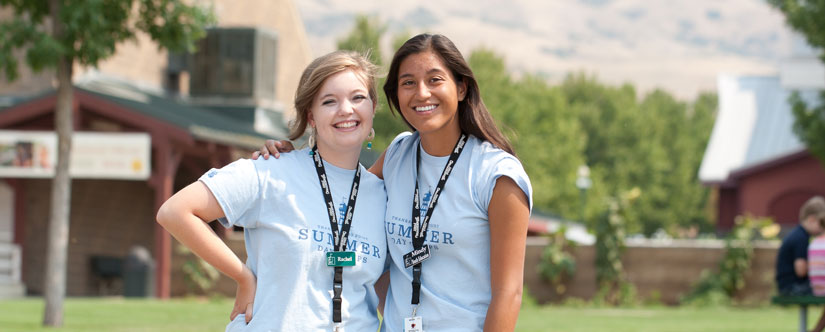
(428, 95)
(342, 113)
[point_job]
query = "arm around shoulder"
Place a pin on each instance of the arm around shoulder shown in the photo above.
(377, 168)
(508, 214)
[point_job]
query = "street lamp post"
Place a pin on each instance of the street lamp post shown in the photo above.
(583, 182)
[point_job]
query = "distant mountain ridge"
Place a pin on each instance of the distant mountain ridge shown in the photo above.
(680, 46)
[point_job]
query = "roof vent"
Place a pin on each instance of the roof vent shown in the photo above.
(234, 66)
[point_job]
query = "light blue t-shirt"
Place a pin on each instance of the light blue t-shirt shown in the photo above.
(280, 205)
(455, 280)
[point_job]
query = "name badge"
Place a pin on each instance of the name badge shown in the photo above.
(413, 324)
(416, 256)
(341, 258)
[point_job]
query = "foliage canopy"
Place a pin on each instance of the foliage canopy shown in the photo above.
(808, 18)
(652, 143)
(92, 29)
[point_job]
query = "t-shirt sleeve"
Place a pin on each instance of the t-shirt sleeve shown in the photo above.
(237, 188)
(391, 154)
(800, 250)
(495, 166)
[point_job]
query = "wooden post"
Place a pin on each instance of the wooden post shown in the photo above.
(163, 181)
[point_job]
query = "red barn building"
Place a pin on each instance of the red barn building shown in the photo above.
(753, 160)
(112, 214)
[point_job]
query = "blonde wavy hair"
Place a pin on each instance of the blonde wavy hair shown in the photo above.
(318, 72)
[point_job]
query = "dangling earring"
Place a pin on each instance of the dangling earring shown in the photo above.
(370, 138)
(311, 141)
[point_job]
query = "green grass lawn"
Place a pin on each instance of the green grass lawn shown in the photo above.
(114, 314)
(662, 319)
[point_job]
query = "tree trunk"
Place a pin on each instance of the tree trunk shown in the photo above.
(58, 234)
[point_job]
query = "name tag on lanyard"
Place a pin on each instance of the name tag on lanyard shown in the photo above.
(416, 256)
(338, 258)
(413, 324)
(341, 258)
(421, 251)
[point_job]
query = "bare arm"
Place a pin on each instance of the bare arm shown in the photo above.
(800, 266)
(378, 167)
(508, 214)
(381, 287)
(184, 216)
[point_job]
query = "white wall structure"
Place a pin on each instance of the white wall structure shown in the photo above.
(10, 264)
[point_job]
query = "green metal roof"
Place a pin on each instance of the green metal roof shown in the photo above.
(8, 101)
(200, 122)
(206, 124)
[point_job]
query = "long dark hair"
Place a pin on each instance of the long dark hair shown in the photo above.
(473, 116)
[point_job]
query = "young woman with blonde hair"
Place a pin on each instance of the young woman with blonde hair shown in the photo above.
(313, 219)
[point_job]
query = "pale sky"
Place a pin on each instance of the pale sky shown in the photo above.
(678, 45)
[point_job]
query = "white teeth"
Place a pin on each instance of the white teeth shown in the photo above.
(425, 108)
(348, 124)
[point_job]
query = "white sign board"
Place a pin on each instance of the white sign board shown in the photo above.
(95, 155)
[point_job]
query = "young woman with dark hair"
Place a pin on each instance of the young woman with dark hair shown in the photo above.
(473, 116)
(456, 260)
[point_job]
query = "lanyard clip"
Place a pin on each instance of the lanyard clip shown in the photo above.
(337, 327)
(415, 308)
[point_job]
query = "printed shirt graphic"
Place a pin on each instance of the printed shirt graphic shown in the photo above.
(455, 291)
(425, 201)
(287, 234)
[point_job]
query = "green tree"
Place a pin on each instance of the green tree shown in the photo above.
(651, 145)
(546, 135)
(809, 123)
(365, 38)
(399, 39)
(59, 33)
(808, 18)
(654, 144)
(612, 283)
(675, 139)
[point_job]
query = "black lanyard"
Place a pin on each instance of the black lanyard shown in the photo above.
(419, 227)
(339, 238)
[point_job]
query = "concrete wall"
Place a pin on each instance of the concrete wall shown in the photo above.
(108, 217)
(664, 271)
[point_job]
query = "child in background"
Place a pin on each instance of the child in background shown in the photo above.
(792, 257)
(816, 262)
